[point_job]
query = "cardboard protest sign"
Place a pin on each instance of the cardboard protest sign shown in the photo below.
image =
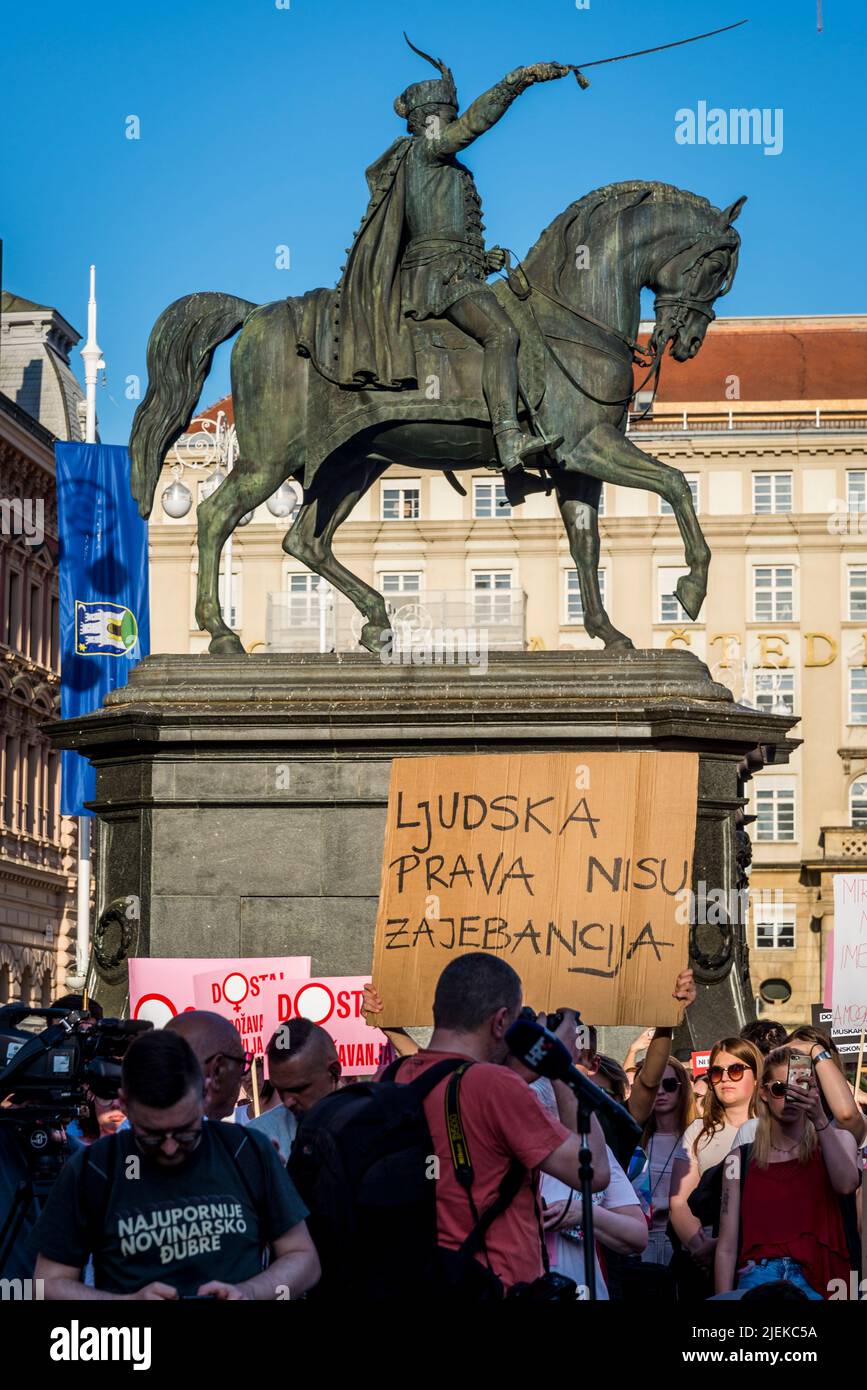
(334, 1002)
(162, 986)
(575, 867)
(849, 978)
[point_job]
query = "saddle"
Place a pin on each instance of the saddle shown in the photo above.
(448, 373)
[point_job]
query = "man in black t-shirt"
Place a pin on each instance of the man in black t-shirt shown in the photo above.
(175, 1206)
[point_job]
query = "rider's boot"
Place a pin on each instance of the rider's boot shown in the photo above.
(514, 447)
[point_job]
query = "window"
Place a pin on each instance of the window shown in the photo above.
(669, 606)
(13, 607)
(666, 509)
(400, 501)
(772, 492)
(489, 499)
(858, 695)
(233, 618)
(492, 596)
(857, 586)
(304, 600)
(773, 593)
(858, 803)
(775, 991)
(54, 633)
(10, 760)
(775, 810)
(406, 583)
(774, 925)
(856, 490)
(574, 606)
(34, 623)
(774, 691)
(600, 510)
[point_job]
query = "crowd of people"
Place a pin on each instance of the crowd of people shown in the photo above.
(455, 1171)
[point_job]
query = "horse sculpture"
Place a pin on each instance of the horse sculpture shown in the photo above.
(577, 308)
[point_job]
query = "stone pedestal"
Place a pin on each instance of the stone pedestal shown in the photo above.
(241, 800)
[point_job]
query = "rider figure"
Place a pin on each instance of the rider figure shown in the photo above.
(445, 265)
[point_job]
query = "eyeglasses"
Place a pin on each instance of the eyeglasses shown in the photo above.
(245, 1061)
(184, 1138)
(670, 1084)
(735, 1072)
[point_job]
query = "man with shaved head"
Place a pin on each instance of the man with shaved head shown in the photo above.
(303, 1066)
(220, 1054)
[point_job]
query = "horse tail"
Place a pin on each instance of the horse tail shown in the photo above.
(180, 351)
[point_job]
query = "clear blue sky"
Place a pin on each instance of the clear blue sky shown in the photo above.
(257, 124)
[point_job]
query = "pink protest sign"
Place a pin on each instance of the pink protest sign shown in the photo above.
(332, 1001)
(161, 987)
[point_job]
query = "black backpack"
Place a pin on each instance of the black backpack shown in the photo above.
(364, 1164)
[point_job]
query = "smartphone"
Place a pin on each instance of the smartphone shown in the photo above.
(800, 1071)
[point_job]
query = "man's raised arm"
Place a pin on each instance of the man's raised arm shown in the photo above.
(487, 109)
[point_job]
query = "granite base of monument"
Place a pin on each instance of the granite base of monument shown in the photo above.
(241, 800)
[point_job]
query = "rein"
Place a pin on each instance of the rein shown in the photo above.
(517, 279)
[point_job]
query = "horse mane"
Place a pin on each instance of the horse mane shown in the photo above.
(572, 226)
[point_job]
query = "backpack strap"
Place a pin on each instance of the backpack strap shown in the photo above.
(462, 1164)
(250, 1165)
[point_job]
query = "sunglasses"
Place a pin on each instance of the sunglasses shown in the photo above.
(735, 1072)
(184, 1138)
(245, 1061)
(670, 1084)
(777, 1089)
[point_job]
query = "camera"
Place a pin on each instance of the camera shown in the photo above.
(45, 1081)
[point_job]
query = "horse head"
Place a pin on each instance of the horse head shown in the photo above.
(687, 283)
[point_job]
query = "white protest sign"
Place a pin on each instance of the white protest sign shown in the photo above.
(849, 976)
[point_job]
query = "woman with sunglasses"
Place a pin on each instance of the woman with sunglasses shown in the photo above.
(662, 1142)
(780, 1214)
(733, 1075)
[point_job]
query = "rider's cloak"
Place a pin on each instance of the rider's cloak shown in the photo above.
(357, 335)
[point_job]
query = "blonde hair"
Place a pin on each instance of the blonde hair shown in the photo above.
(761, 1153)
(713, 1116)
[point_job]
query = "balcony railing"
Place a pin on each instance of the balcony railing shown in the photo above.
(744, 424)
(438, 619)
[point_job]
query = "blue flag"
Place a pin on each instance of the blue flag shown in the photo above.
(104, 615)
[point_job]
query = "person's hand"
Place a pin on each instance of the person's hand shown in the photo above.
(809, 1101)
(685, 991)
(525, 77)
(371, 1003)
(702, 1249)
(155, 1293)
(230, 1293)
(644, 1039)
(495, 259)
(552, 1216)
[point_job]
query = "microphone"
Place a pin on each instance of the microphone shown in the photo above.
(540, 1051)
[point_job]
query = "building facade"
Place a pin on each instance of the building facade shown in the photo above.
(769, 425)
(37, 845)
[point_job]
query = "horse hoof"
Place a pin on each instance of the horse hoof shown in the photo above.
(228, 645)
(620, 643)
(691, 594)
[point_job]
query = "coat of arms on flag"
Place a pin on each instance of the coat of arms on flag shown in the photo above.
(104, 629)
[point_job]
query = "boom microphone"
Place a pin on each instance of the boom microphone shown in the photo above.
(542, 1052)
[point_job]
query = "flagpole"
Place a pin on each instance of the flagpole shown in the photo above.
(92, 356)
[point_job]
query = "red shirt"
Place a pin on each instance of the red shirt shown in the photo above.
(502, 1121)
(791, 1210)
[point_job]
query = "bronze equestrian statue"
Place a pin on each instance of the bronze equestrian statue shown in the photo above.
(416, 359)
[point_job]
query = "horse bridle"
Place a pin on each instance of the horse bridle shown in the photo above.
(682, 302)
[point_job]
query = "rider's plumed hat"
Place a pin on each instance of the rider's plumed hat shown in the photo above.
(439, 91)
